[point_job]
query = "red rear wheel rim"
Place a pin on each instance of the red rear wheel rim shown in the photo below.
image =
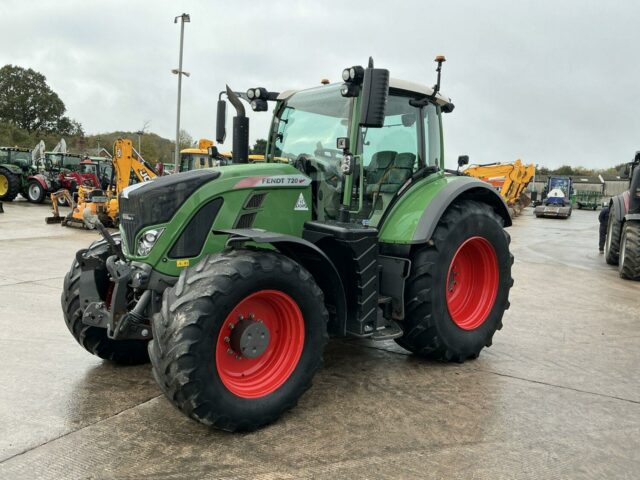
(472, 283)
(257, 377)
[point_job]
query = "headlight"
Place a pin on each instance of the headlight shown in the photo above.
(250, 94)
(148, 240)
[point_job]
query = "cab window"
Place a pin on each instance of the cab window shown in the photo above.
(391, 154)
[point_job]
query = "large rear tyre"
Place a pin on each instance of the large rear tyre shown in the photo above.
(629, 265)
(614, 232)
(35, 192)
(9, 185)
(94, 339)
(239, 338)
(458, 289)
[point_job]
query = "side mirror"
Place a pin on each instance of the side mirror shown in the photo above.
(463, 160)
(221, 121)
(213, 151)
(375, 90)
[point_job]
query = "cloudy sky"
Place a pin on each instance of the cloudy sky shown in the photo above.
(547, 81)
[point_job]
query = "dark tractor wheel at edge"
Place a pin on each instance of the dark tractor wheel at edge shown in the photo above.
(239, 338)
(614, 233)
(458, 289)
(629, 266)
(9, 185)
(94, 339)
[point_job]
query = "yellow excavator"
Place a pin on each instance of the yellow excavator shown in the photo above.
(510, 179)
(127, 170)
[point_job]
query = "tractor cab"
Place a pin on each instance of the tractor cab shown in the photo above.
(20, 157)
(313, 129)
(198, 157)
(101, 167)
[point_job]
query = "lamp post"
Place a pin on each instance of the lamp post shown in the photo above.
(184, 18)
(139, 133)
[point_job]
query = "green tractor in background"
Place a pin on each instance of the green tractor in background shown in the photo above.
(15, 167)
(231, 279)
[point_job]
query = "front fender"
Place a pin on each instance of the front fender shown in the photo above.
(42, 180)
(619, 205)
(414, 217)
(310, 257)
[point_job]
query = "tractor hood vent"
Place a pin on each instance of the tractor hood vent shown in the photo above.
(157, 201)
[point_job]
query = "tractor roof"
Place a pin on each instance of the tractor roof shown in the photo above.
(15, 149)
(394, 83)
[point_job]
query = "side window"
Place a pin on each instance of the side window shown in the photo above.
(398, 136)
(432, 134)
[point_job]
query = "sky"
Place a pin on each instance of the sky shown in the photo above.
(549, 82)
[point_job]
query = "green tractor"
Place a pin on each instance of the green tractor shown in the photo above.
(15, 167)
(232, 279)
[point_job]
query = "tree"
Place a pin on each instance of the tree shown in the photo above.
(27, 101)
(260, 147)
(564, 170)
(68, 126)
(186, 140)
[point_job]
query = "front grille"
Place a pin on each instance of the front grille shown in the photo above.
(155, 202)
(255, 201)
(246, 220)
(129, 220)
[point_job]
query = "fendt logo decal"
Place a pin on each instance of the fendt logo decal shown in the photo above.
(274, 181)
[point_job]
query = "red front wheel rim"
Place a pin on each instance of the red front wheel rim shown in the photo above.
(260, 376)
(472, 283)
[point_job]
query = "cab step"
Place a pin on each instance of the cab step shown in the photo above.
(388, 331)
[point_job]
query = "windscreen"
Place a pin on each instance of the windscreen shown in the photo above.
(310, 123)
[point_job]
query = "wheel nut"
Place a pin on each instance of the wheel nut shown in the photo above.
(145, 332)
(238, 357)
(229, 351)
(227, 339)
(231, 326)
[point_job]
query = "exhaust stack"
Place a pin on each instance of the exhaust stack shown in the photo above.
(240, 129)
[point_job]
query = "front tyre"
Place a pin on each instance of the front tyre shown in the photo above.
(35, 192)
(239, 338)
(458, 289)
(614, 233)
(94, 339)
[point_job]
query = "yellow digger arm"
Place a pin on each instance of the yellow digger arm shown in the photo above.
(124, 163)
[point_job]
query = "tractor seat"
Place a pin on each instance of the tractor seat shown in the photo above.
(380, 162)
(398, 172)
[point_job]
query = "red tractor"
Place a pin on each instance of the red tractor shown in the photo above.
(55, 173)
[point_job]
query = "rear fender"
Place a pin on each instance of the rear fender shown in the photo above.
(310, 257)
(417, 215)
(12, 168)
